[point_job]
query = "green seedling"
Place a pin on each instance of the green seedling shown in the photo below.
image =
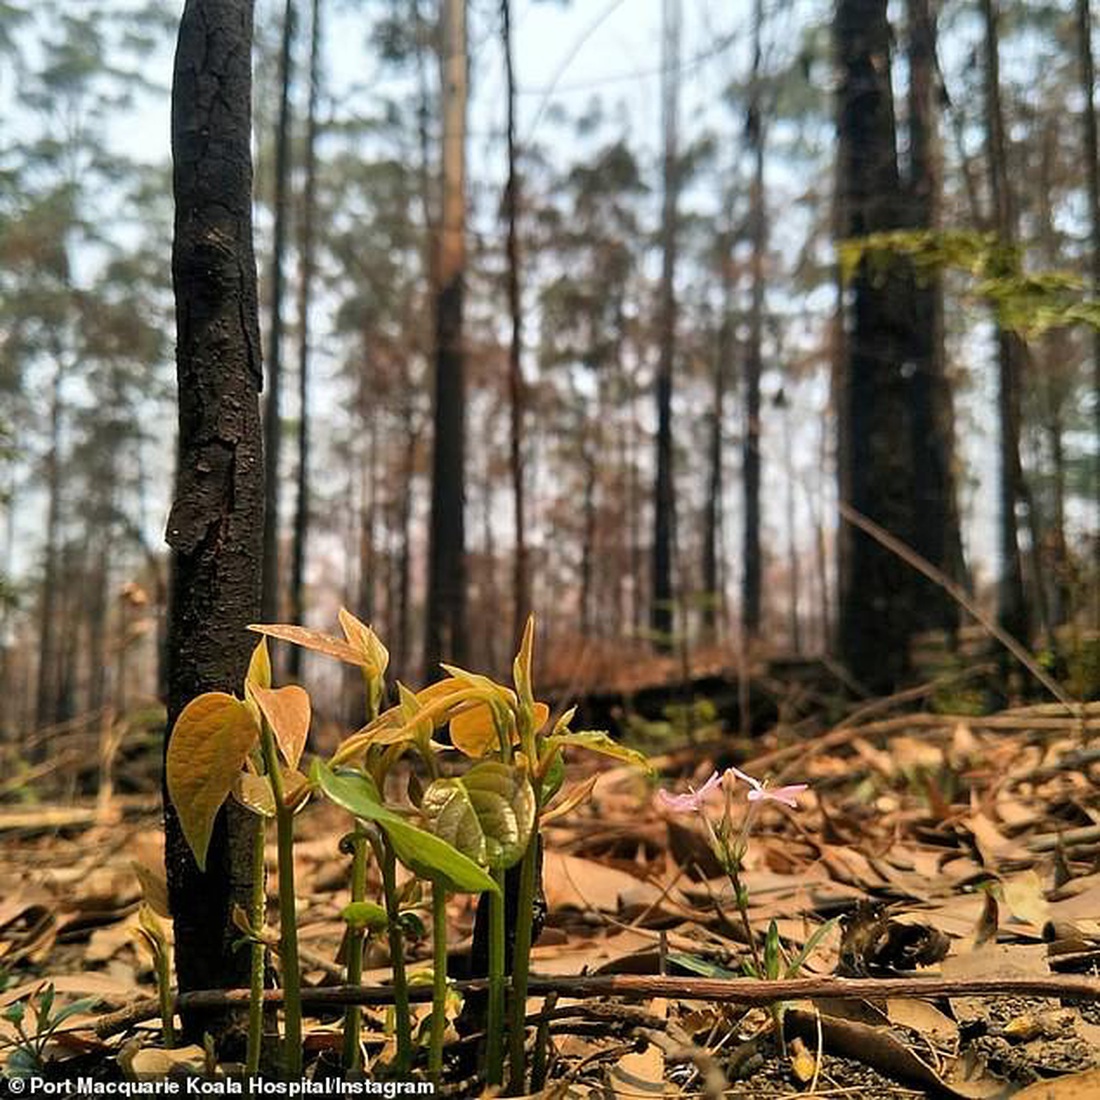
(28, 1058)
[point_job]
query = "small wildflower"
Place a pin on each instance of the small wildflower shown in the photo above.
(760, 792)
(692, 802)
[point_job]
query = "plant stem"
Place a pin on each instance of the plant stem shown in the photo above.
(403, 1020)
(256, 969)
(521, 965)
(542, 1044)
(288, 920)
(739, 895)
(494, 1060)
(353, 1018)
(164, 989)
(439, 980)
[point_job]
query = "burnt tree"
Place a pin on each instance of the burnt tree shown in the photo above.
(215, 529)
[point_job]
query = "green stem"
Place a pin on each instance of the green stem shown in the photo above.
(353, 1017)
(542, 1044)
(397, 960)
(439, 980)
(167, 1006)
(521, 966)
(288, 920)
(740, 895)
(256, 968)
(494, 1064)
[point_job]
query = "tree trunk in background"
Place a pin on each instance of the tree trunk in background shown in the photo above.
(937, 536)
(1092, 176)
(305, 291)
(273, 427)
(660, 613)
(516, 385)
(713, 595)
(1011, 605)
(878, 592)
(215, 528)
(45, 710)
(446, 620)
(750, 454)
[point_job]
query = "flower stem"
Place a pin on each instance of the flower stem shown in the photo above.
(353, 1016)
(740, 895)
(259, 953)
(288, 921)
(494, 1062)
(439, 981)
(521, 965)
(164, 989)
(397, 960)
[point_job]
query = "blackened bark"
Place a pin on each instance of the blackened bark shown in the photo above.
(750, 453)
(215, 528)
(1011, 603)
(305, 290)
(937, 536)
(661, 609)
(45, 711)
(516, 385)
(273, 426)
(446, 626)
(1092, 176)
(876, 589)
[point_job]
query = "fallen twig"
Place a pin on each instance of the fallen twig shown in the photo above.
(748, 991)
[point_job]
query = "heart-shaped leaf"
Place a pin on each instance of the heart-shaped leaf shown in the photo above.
(287, 711)
(259, 667)
(210, 741)
(254, 793)
(596, 741)
(474, 732)
(487, 814)
(421, 851)
(376, 657)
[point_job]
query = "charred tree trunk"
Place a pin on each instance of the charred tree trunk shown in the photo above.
(45, 711)
(1092, 175)
(217, 518)
(877, 591)
(750, 455)
(1011, 603)
(661, 609)
(305, 292)
(516, 385)
(937, 537)
(273, 427)
(446, 625)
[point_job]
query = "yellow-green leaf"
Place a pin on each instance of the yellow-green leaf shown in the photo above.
(287, 711)
(312, 639)
(259, 667)
(487, 814)
(210, 741)
(597, 741)
(254, 793)
(361, 638)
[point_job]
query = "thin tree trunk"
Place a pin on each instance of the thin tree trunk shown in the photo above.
(661, 610)
(1011, 604)
(1092, 176)
(750, 456)
(217, 518)
(792, 530)
(46, 693)
(712, 512)
(305, 291)
(273, 427)
(446, 619)
(516, 385)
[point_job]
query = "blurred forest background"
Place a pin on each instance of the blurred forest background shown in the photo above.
(669, 399)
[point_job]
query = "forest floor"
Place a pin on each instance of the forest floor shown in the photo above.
(949, 847)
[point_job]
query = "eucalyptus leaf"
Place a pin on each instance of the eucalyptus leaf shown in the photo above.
(597, 741)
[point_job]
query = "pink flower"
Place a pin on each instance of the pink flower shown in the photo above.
(692, 802)
(760, 792)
